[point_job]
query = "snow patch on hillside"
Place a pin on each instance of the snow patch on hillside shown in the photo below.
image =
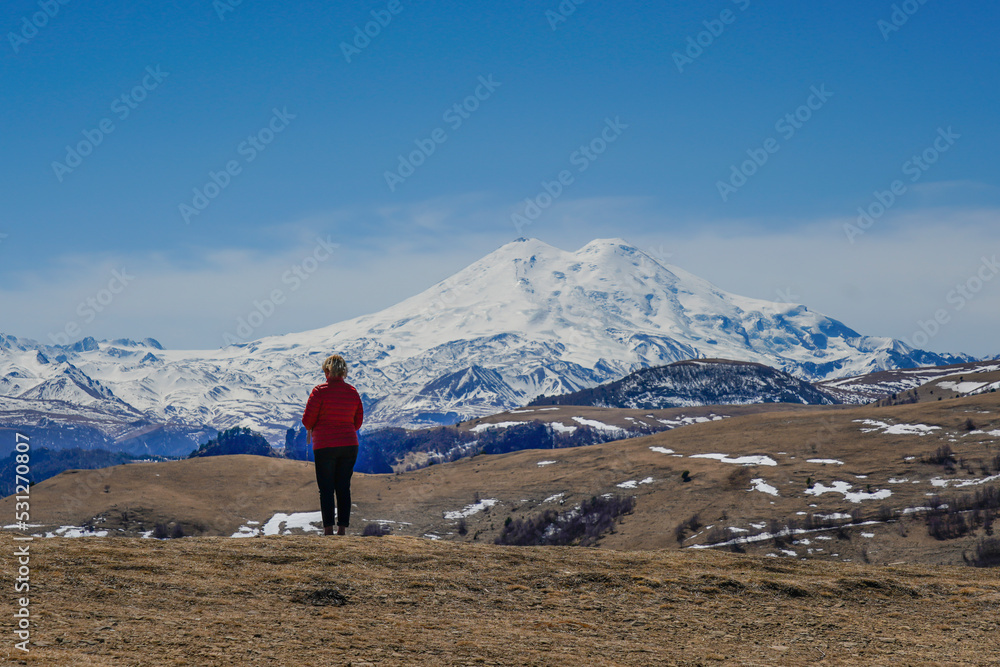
(896, 429)
(844, 489)
(759, 460)
(469, 510)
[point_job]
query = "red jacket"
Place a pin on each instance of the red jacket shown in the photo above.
(334, 414)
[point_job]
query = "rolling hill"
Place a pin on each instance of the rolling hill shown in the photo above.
(830, 483)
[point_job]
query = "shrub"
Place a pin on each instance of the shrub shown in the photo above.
(583, 525)
(463, 528)
(986, 553)
(947, 525)
(692, 524)
(943, 456)
(961, 515)
(740, 478)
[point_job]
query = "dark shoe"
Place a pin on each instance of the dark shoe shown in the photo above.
(342, 530)
(328, 530)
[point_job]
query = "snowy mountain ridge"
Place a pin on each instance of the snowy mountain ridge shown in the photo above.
(696, 383)
(527, 319)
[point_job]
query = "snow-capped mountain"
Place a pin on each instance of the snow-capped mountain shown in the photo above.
(527, 319)
(697, 382)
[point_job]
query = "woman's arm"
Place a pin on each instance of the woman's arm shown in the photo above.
(311, 413)
(359, 415)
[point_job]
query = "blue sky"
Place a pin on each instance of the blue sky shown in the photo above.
(833, 100)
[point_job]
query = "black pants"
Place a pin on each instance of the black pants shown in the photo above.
(334, 467)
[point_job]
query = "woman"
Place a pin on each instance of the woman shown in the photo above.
(332, 418)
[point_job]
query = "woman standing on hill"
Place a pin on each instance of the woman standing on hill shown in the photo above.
(332, 418)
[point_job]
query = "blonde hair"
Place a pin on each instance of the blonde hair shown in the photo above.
(335, 366)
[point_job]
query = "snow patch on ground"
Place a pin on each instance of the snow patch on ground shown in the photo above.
(824, 461)
(962, 387)
(937, 481)
(759, 484)
(662, 450)
(686, 421)
(911, 510)
(483, 427)
(559, 427)
(76, 531)
(600, 426)
(631, 484)
(283, 524)
(552, 499)
(742, 460)
(469, 510)
(844, 489)
(896, 429)
(542, 464)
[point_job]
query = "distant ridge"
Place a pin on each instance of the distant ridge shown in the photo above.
(694, 383)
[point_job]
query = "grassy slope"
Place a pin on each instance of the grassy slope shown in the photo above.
(217, 495)
(217, 601)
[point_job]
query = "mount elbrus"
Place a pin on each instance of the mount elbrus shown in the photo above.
(527, 320)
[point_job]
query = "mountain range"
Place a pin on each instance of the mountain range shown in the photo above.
(526, 320)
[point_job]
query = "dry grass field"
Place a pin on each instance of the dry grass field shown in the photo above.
(312, 600)
(868, 461)
(877, 589)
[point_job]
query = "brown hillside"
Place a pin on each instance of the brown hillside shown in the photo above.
(310, 600)
(219, 495)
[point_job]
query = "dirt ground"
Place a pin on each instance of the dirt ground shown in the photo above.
(311, 600)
